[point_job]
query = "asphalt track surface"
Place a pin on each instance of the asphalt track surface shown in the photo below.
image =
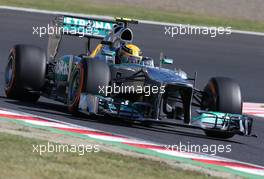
(238, 56)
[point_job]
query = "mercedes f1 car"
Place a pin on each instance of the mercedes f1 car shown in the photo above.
(85, 82)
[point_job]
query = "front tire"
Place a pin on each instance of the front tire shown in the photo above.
(76, 87)
(88, 76)
(97, 75)
(222, 95)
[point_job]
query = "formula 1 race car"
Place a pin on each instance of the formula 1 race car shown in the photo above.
(95, 83)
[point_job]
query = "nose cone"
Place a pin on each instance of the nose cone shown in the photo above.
(167, 76)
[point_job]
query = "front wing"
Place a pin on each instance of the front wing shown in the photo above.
(139, 112)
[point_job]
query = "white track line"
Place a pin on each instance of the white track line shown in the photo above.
(109, 17)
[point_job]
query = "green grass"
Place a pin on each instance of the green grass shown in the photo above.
(17, 160)
(83, 6)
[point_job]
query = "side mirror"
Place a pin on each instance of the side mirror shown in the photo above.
(108, 53)
(166, 61)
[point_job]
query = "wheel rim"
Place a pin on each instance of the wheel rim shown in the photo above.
(75, 87)
(9, 74)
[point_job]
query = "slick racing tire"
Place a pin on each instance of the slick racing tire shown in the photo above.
(97, 76)
(76, 87)
(25, 73)
(88, 75)
(222, 95)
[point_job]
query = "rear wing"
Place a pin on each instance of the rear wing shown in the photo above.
(77, 26)
(84, 27)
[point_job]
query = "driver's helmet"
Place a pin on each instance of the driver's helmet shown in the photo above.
(129, 53)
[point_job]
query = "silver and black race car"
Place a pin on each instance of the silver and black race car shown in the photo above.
(94, 83)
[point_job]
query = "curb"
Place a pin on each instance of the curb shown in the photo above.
(148, 148)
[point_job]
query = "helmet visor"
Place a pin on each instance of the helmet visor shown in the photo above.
(131, 59)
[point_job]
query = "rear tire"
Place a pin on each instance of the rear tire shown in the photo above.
(222, 95)
(25, 73)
